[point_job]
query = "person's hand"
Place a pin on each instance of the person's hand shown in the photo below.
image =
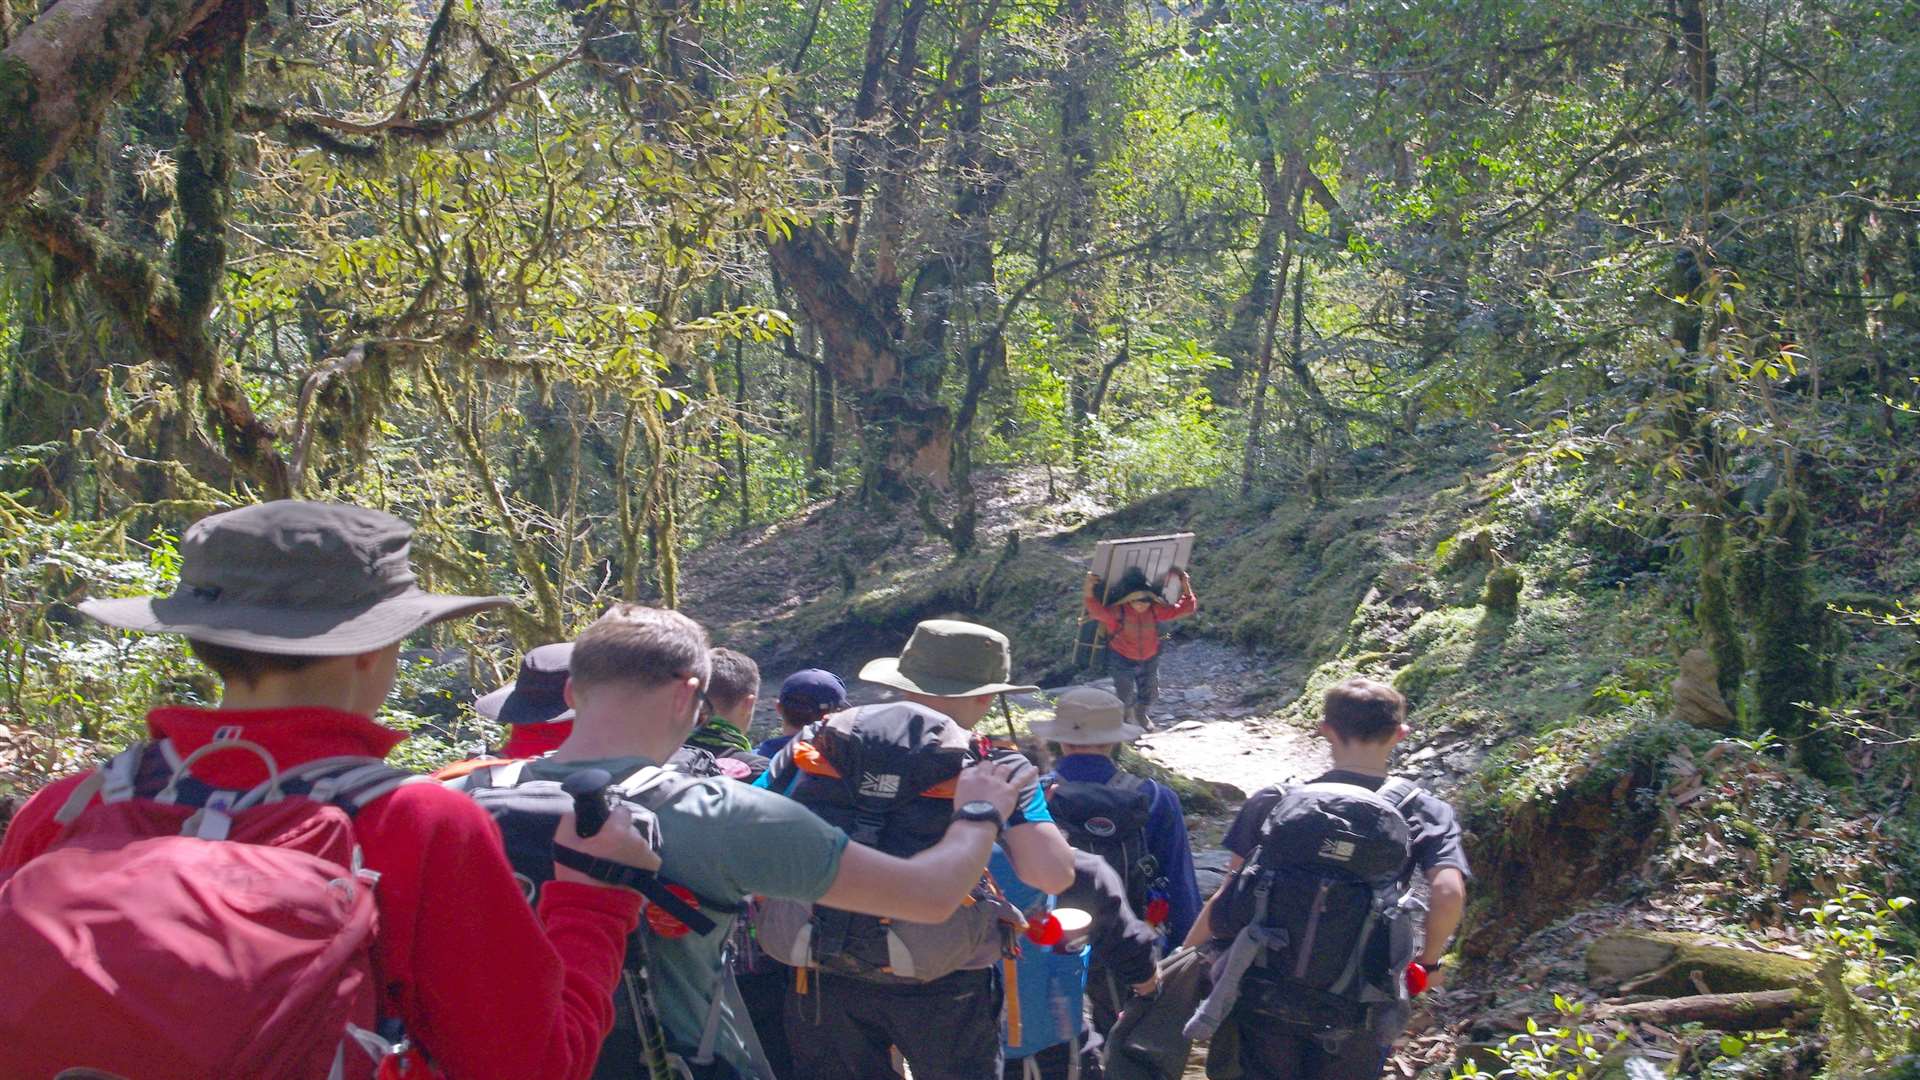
(1148, 988)
(999, 782)
(617, 841)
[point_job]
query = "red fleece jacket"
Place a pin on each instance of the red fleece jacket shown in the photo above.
(481, 985)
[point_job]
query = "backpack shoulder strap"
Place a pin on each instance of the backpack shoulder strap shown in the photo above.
(506, 774)
(1399, 791)
(349, 781)
(110, 782)
(1126, 781)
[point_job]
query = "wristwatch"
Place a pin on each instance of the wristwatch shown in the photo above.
(980, 810)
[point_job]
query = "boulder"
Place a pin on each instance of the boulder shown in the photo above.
(1696, 694)
(1674, 965)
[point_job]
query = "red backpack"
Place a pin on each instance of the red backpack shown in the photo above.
(188, 933)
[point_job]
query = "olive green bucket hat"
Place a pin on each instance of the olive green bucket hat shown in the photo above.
(949, 658)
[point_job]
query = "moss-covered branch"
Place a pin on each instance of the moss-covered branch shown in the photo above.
(150, 305)
(61, 72)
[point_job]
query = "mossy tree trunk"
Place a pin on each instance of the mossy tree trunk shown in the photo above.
(1790, 631)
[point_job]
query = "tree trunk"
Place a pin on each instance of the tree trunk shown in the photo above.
(740, 462)
(1257, 418)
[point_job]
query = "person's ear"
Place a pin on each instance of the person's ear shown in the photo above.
(372, 658)
(985, 701)
(566, 693)
(1400, 733)
(1328, 733)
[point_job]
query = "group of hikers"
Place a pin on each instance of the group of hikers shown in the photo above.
(630, 888)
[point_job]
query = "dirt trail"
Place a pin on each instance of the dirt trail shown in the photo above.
(1210, 723)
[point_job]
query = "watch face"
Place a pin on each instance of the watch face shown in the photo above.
(979, 807)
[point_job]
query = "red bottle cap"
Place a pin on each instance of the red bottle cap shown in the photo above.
(1157, 911)
(663, 923)
(1416, 979)
(1044, 930)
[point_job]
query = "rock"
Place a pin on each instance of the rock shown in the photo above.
(1187, 725)
(1696, 694)
(1651, 962)
(1210, 869)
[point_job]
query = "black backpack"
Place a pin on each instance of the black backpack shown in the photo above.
(1320, 912)
(884, 774)
(1110, 820)
(526, 812)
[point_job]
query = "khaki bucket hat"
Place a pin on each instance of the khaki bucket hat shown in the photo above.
(1087, 716)
(949, 658)
(293, 578)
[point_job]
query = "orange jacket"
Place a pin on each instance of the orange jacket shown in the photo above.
(1136, 635)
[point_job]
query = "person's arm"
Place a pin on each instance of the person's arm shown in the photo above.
(1188, 602)
(1100, 612)
(1446, 904)
(447, 895)
(1170, 845)
(1202, 929)
(33, 828)
(1122, 942)
(930, 886)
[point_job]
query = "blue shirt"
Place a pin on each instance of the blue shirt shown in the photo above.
(773, 746)
(1166, 839)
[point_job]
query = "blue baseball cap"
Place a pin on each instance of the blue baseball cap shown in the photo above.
(814, 688)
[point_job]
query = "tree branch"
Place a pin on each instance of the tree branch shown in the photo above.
(64, 69)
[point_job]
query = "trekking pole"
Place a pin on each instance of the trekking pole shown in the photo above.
(591, 809)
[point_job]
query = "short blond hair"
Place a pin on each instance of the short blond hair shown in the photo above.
(636, 644)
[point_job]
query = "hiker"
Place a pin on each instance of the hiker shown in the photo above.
(1043, 1026)
(638, 676)
(806, 697)
(118, 962)
(932, 992)
(1329, 1010)
(726, 714)
(1133, 823)
(1131, 614)
(536, 715)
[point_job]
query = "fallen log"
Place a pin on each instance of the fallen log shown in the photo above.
(1671, 965)
(1723, 1012)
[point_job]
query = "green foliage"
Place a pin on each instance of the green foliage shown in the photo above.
(1564, 1050)
(1872, 1007)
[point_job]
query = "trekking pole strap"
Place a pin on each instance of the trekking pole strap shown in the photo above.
(644, 882)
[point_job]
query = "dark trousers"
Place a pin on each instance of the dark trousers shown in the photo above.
(1254, 1050)
(765, 995)
(947, 1029)
(1135, 682)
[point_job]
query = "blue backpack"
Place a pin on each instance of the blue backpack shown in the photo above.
(1046, 990)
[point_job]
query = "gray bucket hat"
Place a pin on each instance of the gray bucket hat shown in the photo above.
(949, 658)
(1087, 716)
(293, 578)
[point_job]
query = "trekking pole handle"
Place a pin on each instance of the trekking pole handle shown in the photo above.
(588, 787)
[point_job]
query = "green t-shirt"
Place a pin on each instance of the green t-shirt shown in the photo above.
(725, 840)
